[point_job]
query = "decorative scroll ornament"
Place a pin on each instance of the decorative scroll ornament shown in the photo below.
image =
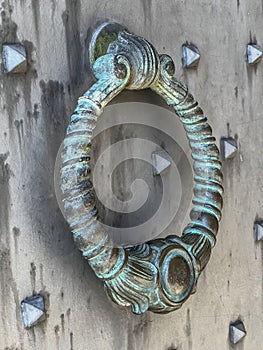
(161, 274)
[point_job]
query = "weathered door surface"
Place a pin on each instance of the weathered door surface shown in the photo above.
(37, 253)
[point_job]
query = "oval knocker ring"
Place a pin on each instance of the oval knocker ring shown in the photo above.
(158, 275)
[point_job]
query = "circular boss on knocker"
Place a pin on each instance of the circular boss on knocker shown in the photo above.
(158, 275)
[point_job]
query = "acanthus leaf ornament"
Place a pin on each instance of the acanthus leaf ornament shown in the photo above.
(161, 274)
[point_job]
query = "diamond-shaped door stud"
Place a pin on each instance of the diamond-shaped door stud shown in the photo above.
(228, 147)
(14, 58)
(258, 230)
(191, 56)
(254, 53)
(237, 332)
(33, 310)
(160, 161)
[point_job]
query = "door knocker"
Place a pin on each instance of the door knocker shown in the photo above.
(161, 274)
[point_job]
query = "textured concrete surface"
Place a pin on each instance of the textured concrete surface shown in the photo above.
(37, 253)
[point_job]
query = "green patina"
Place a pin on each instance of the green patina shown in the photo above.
(102, 43)
(160, 274)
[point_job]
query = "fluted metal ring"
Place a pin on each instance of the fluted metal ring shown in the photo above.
(161, 274)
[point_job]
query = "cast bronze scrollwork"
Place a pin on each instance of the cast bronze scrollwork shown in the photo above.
(161, 274)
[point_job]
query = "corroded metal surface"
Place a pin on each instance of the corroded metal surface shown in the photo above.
(37, 251)
(158, 275)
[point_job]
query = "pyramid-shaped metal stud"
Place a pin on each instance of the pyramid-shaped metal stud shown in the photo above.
(258, 230)
(161, 162)
(191, 56)
(254, 53)
(237, 332)
(14, 58)
(33, 310)
(228, 147)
